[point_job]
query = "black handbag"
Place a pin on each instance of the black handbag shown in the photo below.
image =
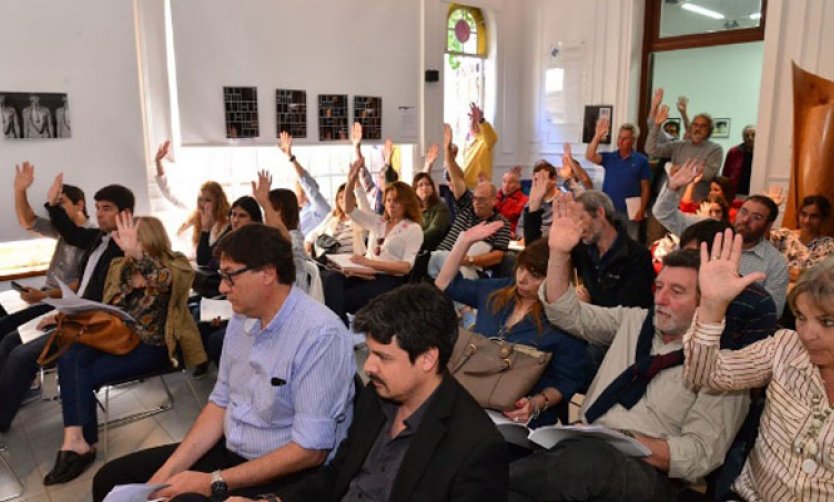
(327, 243)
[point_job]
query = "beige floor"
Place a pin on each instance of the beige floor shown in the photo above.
(36, 435)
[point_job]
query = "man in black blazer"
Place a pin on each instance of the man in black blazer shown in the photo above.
(416, 433)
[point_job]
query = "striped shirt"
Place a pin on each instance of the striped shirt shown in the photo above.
(466, 218)
(289, 382)
(774, 469)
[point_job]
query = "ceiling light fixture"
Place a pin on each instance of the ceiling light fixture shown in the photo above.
(702, 10)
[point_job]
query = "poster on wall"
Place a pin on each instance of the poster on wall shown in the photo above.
(241, 111)
(291, 112)
(367, 110)
(589, 123)
(35, 115)
(721, 129)
(333, 117)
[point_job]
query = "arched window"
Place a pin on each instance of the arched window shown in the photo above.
(466, 31)
(466, 50)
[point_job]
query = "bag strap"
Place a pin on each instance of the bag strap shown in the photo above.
(44, 359)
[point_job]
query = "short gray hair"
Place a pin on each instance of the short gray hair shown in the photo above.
(628, 126)
(593, 200)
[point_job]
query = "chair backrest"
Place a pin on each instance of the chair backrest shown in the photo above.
(315, 287)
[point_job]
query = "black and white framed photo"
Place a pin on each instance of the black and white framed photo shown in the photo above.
(333, 117)
(672, 127)
(35, 115)
(589, 123)
(291, 112)
(241, 112)
(721, 128)
(367, 110)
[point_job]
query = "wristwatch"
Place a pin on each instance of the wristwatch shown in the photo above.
(219, 488)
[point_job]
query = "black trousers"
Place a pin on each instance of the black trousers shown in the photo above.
(587, 469)
(345, 295)
(140, 466)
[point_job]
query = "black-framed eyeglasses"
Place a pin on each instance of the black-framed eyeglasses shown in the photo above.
(228, 277)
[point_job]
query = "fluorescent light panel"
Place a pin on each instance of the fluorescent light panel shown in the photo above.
(702, 10)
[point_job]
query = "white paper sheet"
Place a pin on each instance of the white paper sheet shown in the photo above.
(343, 262)
(12, 302)
(71, 303)
(212, 309)
(29, 331)
(136, 492)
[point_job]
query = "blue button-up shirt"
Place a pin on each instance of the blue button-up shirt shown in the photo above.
(292, 381)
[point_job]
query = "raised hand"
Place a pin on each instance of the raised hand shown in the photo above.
(432, 153)
(475, 113)
(657, 98)
(718, 278)
(388, 151)
(686, 174)
(127, 235)
(566, 229)
(662, 115)
(53, 195)
(162, 151)
(23, 176)
(447, 137)
(703, 209)
(260, 188)
(682, 102)
(481, 231)
(538, 190)
(353, 172)
(602, 128)
(356, 134)
(285, 143)
(207, 216)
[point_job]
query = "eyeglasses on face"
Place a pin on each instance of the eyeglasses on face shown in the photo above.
(228, 277)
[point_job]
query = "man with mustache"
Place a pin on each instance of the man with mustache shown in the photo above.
(417, 435)
(638, 389)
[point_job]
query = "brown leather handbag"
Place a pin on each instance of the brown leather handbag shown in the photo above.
(496, 372)
(95, 328)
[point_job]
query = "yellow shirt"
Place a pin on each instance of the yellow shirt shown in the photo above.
(477, 158)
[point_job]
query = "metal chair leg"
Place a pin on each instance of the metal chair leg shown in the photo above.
(8, 466)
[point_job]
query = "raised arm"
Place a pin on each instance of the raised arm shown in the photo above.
(272, 217)
(350, 196)
(457, 180)
(431, 156)
(682, 104)
(308, 184)
(666, 207)
(658, 144)
(162, 179)
(476, 116)
(73, 234)
(564, 235)
(452, 264)
(600, 133)
(719, 283)
(23, 179)
(575, 169)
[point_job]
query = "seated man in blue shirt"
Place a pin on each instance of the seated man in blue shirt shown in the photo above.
(284, 392)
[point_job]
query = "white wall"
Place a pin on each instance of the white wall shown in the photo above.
(86, 49)
(722, 81)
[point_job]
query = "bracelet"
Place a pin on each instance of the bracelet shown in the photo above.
(292, 158)
(546, 401)
(536, 411)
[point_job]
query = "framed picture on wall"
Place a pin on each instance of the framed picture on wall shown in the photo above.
(333, 117)
(241, 111)
(672, 127)
(291, 112)
(35, 115)
(367, 110)
(722, 128)
(589, 123)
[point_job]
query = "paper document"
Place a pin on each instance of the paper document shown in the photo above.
(550, 435)
(70, 303)
(12, 302)
(632, 206)
(29, 331)
(213, 309)
(136, 492)
(344, 263)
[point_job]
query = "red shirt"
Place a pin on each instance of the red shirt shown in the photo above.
(511, 207)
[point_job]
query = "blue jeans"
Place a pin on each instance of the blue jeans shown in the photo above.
(82, 370)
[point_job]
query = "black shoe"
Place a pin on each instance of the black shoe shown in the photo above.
(68, 466)
(200, 371)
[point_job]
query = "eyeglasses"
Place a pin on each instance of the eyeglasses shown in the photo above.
(228, 277)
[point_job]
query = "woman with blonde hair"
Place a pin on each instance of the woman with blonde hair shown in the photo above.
(394, 239)
(151, 284)
(792, 458)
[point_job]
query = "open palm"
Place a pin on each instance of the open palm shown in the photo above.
(718, 277)
(566, 229)
(127, 234)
